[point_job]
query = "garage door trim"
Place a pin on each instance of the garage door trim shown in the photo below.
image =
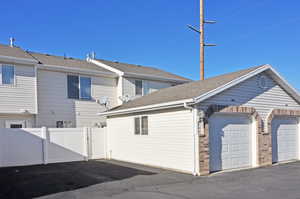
(285, 139)
(245, 138)
(204, 139)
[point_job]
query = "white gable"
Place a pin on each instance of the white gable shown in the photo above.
(249, 93)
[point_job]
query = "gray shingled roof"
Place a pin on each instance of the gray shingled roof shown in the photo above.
(14, 52)
(54, 60)
(141, 70)
(184, 91)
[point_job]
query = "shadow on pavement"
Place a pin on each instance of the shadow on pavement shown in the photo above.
(40, 180)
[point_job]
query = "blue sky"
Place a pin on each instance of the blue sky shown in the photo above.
(154, 32)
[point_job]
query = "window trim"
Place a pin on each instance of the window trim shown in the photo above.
(1, 75)
(141, 125)
(79, 93)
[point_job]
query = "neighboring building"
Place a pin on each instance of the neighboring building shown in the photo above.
(243, 119)
(18, 95)
(55, 91)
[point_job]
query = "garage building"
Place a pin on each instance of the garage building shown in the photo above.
(243, 119)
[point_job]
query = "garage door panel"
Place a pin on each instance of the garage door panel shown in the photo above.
(284, 139)
(230, 145)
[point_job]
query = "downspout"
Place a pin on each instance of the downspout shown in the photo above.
(36, 96)
(187, 106)
(195, 137)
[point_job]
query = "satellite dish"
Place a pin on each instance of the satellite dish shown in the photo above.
(125, 98)
(103, 101)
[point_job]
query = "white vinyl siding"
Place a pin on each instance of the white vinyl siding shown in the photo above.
(54, 104)
(248, 93)
(169, 143)
(149, 86)
(22, 94)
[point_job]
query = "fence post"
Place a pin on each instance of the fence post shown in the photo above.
(86, 143)
(2, 133)
(46, 137)
(90, 143)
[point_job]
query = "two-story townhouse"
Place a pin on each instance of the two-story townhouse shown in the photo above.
(69, 92)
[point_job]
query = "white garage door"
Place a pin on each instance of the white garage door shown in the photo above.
(284, 139)
(229, 141)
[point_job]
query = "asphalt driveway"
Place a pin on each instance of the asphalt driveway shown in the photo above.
(109, 179)
(45, 180)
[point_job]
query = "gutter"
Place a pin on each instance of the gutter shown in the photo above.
(153, 77)
(160, 106)
(186, 106)
(76, 70)
(18, 60)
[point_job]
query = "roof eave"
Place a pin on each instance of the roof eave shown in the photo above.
(105, 66)
(286, 86)
(292, 91)
(160, 106)
(75, 70)
(18, 60)
(134, 75)
(154, 77)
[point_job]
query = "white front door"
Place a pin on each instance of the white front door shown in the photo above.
(229, 141)
(15, 124)
(284, 139)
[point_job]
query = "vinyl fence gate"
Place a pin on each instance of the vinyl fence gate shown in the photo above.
(31, 146)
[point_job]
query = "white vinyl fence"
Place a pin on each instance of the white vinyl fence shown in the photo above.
(19, 147)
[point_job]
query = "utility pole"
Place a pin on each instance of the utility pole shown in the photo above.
(202, 38)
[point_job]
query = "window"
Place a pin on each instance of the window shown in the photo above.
(85, 88)
(138, 87)
(15, 124)
(59, 124)
(7, 75)
(141, 125)
(79, 87)
(73, 87)
(137, 126)
(145, 125)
